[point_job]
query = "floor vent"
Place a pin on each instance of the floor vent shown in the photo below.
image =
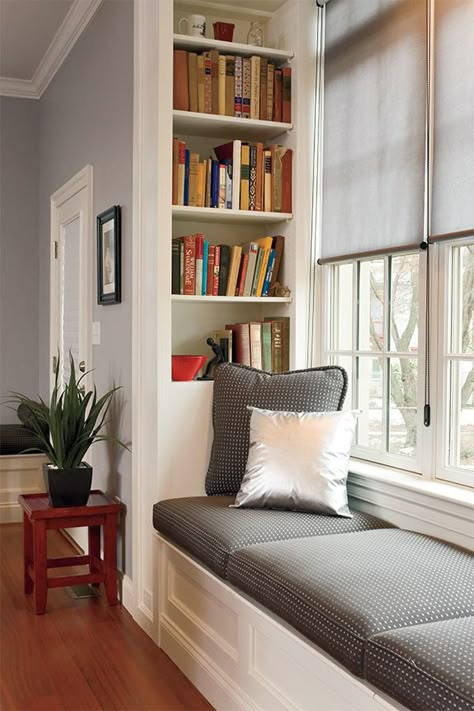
(78, 592)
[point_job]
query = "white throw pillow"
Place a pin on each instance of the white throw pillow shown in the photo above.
(299, 461)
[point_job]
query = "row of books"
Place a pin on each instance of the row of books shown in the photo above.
(259, 344)
(228, 85)
(202, 269)
(242, 176)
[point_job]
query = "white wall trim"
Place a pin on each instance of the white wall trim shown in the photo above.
(73, 25)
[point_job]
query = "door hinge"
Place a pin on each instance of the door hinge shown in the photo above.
(55, 250)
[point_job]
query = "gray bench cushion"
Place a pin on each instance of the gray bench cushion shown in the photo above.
(236, 386)
(427, 667)
(210, 530)
(340, 590)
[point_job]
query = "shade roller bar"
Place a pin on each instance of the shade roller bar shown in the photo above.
(374, 127)
(450, 236)
(372, 253)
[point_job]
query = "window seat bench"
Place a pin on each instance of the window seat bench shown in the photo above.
(19, 473)
(304, 611)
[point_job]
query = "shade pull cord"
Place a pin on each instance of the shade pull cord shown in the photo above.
(427, 406)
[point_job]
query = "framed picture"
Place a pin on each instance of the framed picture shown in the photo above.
(109, 256)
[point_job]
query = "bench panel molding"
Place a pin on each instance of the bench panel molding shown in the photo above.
(269, 665)
(19, 474)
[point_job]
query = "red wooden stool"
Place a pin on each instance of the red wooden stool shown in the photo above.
(39, 517)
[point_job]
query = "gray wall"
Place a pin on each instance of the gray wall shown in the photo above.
(86, 116)
(18, 249)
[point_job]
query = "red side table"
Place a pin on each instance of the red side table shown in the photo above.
(39, 517)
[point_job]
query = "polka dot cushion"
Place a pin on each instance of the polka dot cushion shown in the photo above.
(340, 590)
(236, 386)
(207, 528)
(426, 667)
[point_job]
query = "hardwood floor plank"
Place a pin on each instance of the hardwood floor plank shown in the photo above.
(80, 655)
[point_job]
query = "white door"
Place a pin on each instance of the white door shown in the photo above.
(71, 284)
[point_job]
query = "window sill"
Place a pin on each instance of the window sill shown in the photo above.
(405, 500)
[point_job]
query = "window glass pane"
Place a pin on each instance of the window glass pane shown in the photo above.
(404, 303)
(370, 401)
(343, 303)
(346, 363)
(461, 398)
(466, 294)
(402, 417)
(371, 305)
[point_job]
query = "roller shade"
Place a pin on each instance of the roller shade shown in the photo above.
(453, 131)
(374, 127)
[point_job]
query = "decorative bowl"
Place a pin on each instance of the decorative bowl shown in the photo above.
(185, 367)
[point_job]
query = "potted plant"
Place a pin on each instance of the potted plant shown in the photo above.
(65, 429)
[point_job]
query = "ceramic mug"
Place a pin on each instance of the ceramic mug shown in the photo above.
(195, 25)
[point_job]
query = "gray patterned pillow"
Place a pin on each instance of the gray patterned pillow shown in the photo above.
(236, 386)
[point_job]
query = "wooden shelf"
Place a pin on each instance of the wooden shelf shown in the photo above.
(233, 299)
(213, 214)
(197, 124)
(196, 44)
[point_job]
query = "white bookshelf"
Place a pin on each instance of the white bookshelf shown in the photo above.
(200, 44)
(212, 125)
(214, 214)
(267, 300)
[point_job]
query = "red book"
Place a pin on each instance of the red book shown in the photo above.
(189, 264)
(240, 342)
(286, 180)
(175, 170)
(242, 274)
(198, 262)
(217, 266)
(180, 80)
(277, 95)
(286, 95)
(211, 256)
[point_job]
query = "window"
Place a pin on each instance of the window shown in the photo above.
(396, 150)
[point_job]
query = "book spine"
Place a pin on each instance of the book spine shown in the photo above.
(205, 261)
(180, 80)
(217, 268)
(236, 253)
(276, 347)
(286, 180)
(244, 176)
(238, 87)
(224, 269)
(200, 83)
(252, 258)
(240, 342)
(255, 334)
(277, 96)
(228, 185)
(208, 182)
(255, 87)
(253, 178)
(187, 154)
(199, 260)
(259, 178)
(286, 95)
(201, 184)
(181, 173)
(192, 81)
(193, 179)
(175, 170)
(221, 85)
(242, 274)
(210, 269)
(175, 265)
(263, 87)
(278, 153)
(246, 87)
(181, 265)
(256, 276)
(236, 171)
(189, 265)
(214, 81)
(267, 181)
(262, 272)
(267, 346)
(215, 183)
(278, 246)
(229, 85)
(270, 88)
(207, 83)
(222, 177)
(269, 270)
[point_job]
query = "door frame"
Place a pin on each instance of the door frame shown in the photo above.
(82, 181)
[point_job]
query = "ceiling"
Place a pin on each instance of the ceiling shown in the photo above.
(27, 28)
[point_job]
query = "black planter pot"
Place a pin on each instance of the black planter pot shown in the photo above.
(68, 487)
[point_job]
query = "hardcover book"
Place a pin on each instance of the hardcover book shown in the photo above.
(263, 87)
(278, 245)
(175, 242)
(267, 346)
(244, 176)
(255, 334)
(253, 178)
(224, 269)
(229, 85)
(180, 80)
(221, 85)
(286, 95)
(193, 81)
(214, 81)
(223, 338)
(246, 87)
(270, 88)
(199, 242)
(255, 87)
(238, 87)
(207, 83)
(240, 342)
(189, 265)
(235, 254)
(251, 249)
(277, 93)
(200, 83)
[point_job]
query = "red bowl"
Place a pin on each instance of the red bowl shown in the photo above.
(185, 367)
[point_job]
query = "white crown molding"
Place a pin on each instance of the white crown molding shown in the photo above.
(73, 25)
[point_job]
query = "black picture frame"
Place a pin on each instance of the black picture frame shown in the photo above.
(109, 248)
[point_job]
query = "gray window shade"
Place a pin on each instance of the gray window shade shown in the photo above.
(374, 125)
(453, 148)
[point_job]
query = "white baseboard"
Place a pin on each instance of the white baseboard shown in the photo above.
(240, 656)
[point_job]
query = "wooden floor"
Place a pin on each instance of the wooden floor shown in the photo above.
(81, 654)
